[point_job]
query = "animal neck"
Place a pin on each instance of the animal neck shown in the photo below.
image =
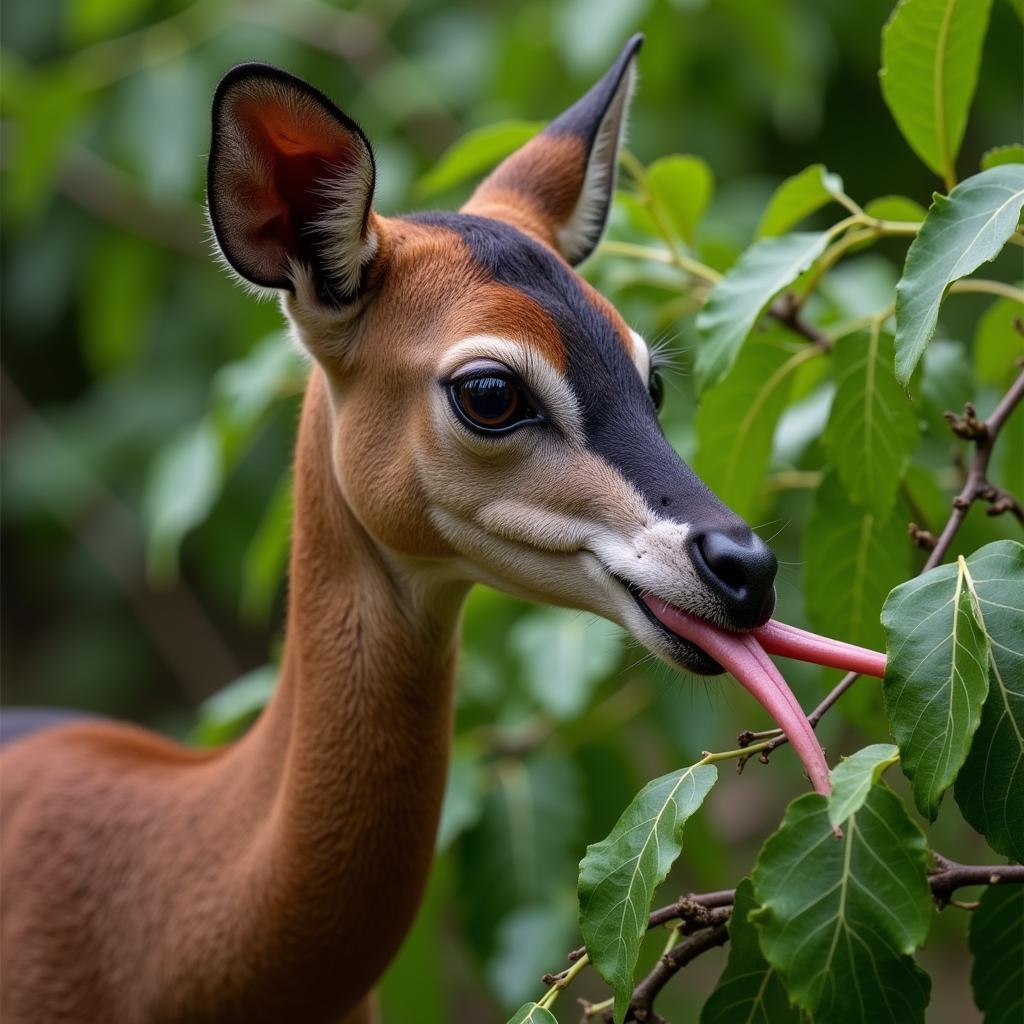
(353, 748)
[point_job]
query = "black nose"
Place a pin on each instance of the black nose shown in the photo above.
(740, 568)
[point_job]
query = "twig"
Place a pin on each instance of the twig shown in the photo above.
(949, 876)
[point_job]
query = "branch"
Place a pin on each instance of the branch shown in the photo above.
(949, 876)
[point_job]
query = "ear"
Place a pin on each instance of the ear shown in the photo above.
(559, 185)
(289, 184)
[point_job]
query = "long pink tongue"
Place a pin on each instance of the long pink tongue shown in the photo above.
(742, 655)
(789, 642)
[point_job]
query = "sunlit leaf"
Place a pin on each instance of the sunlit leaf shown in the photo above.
(736, 419)
(749, 989)
(872, 429)
(229, 712)
(898, 208)
(997, 944)
(736, 303)
(841, 917)
(990, 787)
(619, 875)
(853, 778)
(961, 231)
(1012, 154)
(477, 151)
(931, 50)
(936, 678)
(798, 197)
(531, 1013)
(998, 343)
(680, 189)
(852, 559)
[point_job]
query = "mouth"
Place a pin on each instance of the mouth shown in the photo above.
(709, 649)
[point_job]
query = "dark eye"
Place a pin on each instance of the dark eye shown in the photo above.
(656, 386)
(490, 403)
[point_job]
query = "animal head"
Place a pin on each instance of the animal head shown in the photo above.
(493, 417)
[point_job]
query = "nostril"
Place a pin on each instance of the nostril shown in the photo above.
(741, 569)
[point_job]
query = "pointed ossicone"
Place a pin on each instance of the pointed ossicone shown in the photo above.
(558, 187)
(289, 184)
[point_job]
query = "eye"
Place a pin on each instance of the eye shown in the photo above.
(656, 386)
(491, 402)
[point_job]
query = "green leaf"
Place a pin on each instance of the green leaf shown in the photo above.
(564, 654)
(852, 559)
(229, 712)
(840, 917)
(990, 787)
(734, 306)
(936, 678)
(85, 23)
(798, 197)
(997, 943)
(619, 875)
(853, 778)
(998, 345)
(736, 419)
(960, 233)
(531, 1013)
(477, 151)
(463, 795)
(931, 50)
(872, 429)
(680, 189)
(898, 208)
(266, 555)
(524, 847)
(183, 484)
(749, 989)
(998, 155)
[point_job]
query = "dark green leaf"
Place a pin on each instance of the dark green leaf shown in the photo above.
(936, 678)
(477, 151)
(734, 306)
(998, 345)
(463, 795)
(680, 189)
(990, 786)
(840, 918)
(749, 990)
(736, 419)
(961, 231)
(619, 875)
(852, 559)
(853, 778)
(798, 197)
(1012, 154)
(931, 50)
(872, 429)
(997, 943)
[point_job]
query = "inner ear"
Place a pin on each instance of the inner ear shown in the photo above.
(290, 184)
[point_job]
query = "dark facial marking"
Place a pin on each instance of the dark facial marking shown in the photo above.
(619, 418)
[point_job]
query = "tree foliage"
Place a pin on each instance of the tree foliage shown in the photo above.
(823, 308)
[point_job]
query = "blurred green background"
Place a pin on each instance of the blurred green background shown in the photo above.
(149, 409)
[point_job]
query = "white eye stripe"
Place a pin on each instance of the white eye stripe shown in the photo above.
(641, 356)
(548, 385)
